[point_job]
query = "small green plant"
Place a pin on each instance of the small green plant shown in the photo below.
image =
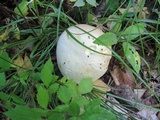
(58, 99)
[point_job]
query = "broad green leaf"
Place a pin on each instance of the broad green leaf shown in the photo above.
(23, 113)
(64, 94)
(62, 108)
(72, 86)
(17, 99)
(4, 61)
(4, 96)
(54, 78)
(85, 86)
(23, 8)
(79, 3)
(81, 101)
(42, 97)
(56, 116)
(92, 2)
(106, 39)
(134, 31)
(3, 79)
(74, 109)
(54, 88)
(132, 56)
(46, 73)
(93, 111)
(115, 26)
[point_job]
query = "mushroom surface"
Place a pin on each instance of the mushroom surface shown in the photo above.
(76, 61)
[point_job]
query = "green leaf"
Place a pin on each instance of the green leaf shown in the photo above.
(93, 111)
(3, 79)
(17, 99)
(16, 32)
(23, 113)
(62, 108)
(56, 116)
(4, 96)
(85, 86)
(134, 31)
(79, 3)
(74, 109)
(92, 2)
(72, 86)
(42, 97)
(4, 61)
(81, 101)
(64, 94)
(23, 8)
(46, 73)
(106, 39)
(132, 56)
(54, 88)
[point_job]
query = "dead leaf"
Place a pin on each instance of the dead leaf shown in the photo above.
(99, 84)
(149, 114)
(116, 106)
(139, 93)
(5, 34)
(122, 76)
(22, 64)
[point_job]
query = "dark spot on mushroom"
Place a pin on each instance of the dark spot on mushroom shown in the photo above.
(89, 37)
(100, 63)
(83, 42)
(102, 49)
(88, 56)
(100, 68)
(64, 63)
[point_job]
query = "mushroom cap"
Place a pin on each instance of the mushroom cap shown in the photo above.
(76, 61)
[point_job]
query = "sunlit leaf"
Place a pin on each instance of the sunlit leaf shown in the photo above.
(23, 9)
(64, 94)
(46, 73)
(72, 86)
(85, 86)
(134, 31)
(81, 101)
(132, 56)
(42, 97)
(16, 32)
(79, 3)
(106, 39)
(5, 34)
(92, 2)
(22, 64)
(54, 88)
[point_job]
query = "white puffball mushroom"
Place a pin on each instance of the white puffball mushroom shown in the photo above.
(76, 61)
